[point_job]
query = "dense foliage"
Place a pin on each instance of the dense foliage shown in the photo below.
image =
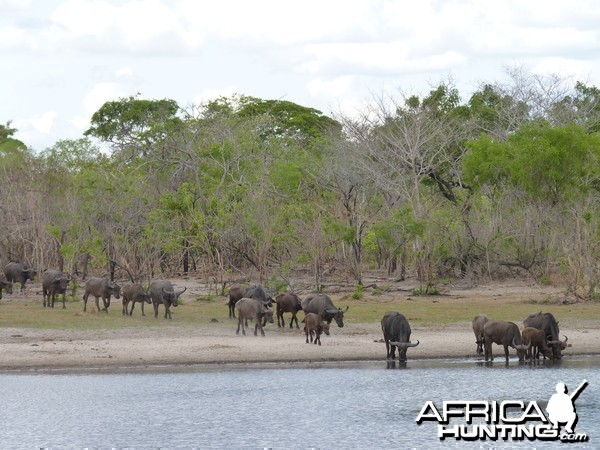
(434, 186)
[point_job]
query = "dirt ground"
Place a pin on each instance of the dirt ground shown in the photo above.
(24, 349)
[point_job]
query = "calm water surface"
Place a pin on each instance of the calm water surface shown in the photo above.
(358, 405)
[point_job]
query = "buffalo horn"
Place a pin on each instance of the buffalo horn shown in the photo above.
(404, 344)
(520, 347)
(181, 292)
(558, 341)
(332, 311)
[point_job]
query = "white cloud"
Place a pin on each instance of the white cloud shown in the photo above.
(331, 89)
(211, 94)
(11, 5)
(43, 122)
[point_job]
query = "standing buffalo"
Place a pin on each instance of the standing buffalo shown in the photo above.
(5, 285)
(251, 308)
(314, 324)
(396, 334)
(100, 287)
(163, 293)
(506, 334)
(478, 322)
(54, 282)
(16, 272)
(288, 302)
(547, 323)
(322, 305)
(237, 292)
(134, 293)
(537, 341)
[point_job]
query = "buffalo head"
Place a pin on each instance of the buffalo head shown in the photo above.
(337, 315)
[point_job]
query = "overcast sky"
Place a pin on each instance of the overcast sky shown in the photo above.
(62, 59)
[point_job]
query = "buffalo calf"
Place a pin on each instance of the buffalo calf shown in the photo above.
(313, 324)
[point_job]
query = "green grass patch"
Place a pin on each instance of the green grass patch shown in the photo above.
(424, 311)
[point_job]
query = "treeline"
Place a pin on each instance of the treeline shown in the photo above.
(436, 186)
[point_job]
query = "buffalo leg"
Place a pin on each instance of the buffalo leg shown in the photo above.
(143, 314)
(240, 324)
(506, 352)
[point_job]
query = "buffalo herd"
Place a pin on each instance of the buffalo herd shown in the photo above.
(540, 334)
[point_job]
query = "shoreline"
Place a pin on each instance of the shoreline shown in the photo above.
(34, 351)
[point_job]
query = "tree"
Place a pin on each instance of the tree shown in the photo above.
(134, 126)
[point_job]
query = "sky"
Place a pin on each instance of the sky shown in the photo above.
(61, 60)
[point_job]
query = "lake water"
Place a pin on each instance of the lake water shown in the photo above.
(355, 405)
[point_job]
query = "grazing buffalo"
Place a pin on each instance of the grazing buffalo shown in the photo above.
(322, 305)
(252, 309)
(313, 324)
(133, 293)
(287, 303)
(547, 323)
(100, 287)
(237, 292)
(163, 293)
(506, 334)
(396, 334)
(478, 322)
(17, 272)
(54, 282)
(5, 285)
(536, 339)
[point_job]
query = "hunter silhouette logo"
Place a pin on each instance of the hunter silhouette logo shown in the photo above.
(509, 419)
(561, 406)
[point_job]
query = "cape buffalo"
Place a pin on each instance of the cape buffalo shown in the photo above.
(100, 287)
(54, 282)
(251, 308)
(287, 302)
(478, 322)
(502, 333)
(537, 339)
(133, 293)
(547, 323)
(322, 305)
(17, 272)
(163, 293)
(237, 292)
(313, 324)
(396, 334)
(5, 285)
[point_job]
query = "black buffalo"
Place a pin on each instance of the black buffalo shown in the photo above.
(5, 285)
(547, 323)
(133, 293)
(163, 293)
(238, 292)
(16, 272)
(506, 334)
(478, 322)
(287, 302)
(54, 282)
(396, 334)
(100, 287)
(322, 305)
